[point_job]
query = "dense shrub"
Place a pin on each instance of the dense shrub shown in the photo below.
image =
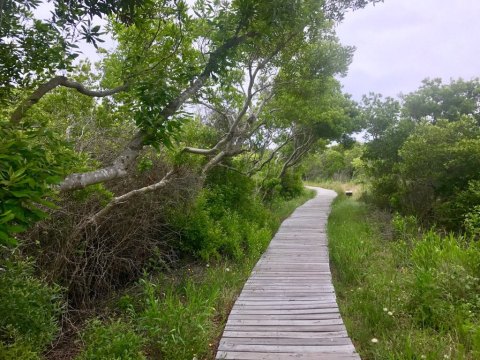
(226, 219)
(31, 160)
(439, 171)
(291, 185)
(29, 312)
(338, 163)
(423, 160)
(434, 174)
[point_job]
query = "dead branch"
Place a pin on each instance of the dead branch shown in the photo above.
(298, 152)
(270, 157)
(125, 197)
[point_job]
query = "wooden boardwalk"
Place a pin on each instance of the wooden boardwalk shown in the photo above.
(287, 308)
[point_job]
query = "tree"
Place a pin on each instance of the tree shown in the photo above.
(166, 57)
(435, 100)
(439, 170)
(378, 114)
(422, 156)
(33, 50)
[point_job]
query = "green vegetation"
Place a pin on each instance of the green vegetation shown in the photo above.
(424, 152)
(416, 293)
(29, 311)
(181, 314)
(404, 248)
(137, 193)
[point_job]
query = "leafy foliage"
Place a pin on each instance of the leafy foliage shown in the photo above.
(424, 160)
(226, 220)
(336, 163)
(32, 159)
(435, 100)
(114, 341)
(29, 312)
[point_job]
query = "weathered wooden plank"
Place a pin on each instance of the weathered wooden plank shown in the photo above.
(346, 349)
(284, 334)
(299, 328)
(286, 341)
(285, 322)
(229, 355)
(287, 299)
(287, 306)
(248, 311)
(331, 315)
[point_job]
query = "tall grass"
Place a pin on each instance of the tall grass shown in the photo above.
(410, 296)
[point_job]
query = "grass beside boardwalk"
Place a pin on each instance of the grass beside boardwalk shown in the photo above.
(404, 295)
(179, 315)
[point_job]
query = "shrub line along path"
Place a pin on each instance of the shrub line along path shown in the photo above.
(287, 308)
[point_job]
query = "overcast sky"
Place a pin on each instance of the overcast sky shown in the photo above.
(401, 42)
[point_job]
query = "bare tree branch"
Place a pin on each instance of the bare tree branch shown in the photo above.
(213, 108)
(122, 198)
(233, 169)
(45, 88)
(118, 168)
(198, 151)
(270, 158)
(297, 154)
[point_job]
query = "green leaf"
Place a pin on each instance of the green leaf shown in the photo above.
(20, 194)
(6, 217)
(7, 240)
(15, 229)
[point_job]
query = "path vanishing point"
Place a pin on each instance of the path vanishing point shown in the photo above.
(287, 308)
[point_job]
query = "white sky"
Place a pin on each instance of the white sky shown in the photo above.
(401, 42)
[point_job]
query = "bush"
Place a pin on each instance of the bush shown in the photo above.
(472, 222)
(226, 219)
(32, 159)
(433, 173)
(18, 351)
(113, 341)
(28, 311)
(292, 185)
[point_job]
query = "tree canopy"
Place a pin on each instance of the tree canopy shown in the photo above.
(262, 73)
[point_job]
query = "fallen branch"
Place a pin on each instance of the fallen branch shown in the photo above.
(125, 197)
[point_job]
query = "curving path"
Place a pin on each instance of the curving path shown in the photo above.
(287, 308)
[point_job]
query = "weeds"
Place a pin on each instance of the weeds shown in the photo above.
(29, 310)
(413, 297)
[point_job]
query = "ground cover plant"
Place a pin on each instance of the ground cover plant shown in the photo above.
(404, 293)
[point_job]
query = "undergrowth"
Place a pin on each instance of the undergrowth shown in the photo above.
(404, 294)
(180, 314)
